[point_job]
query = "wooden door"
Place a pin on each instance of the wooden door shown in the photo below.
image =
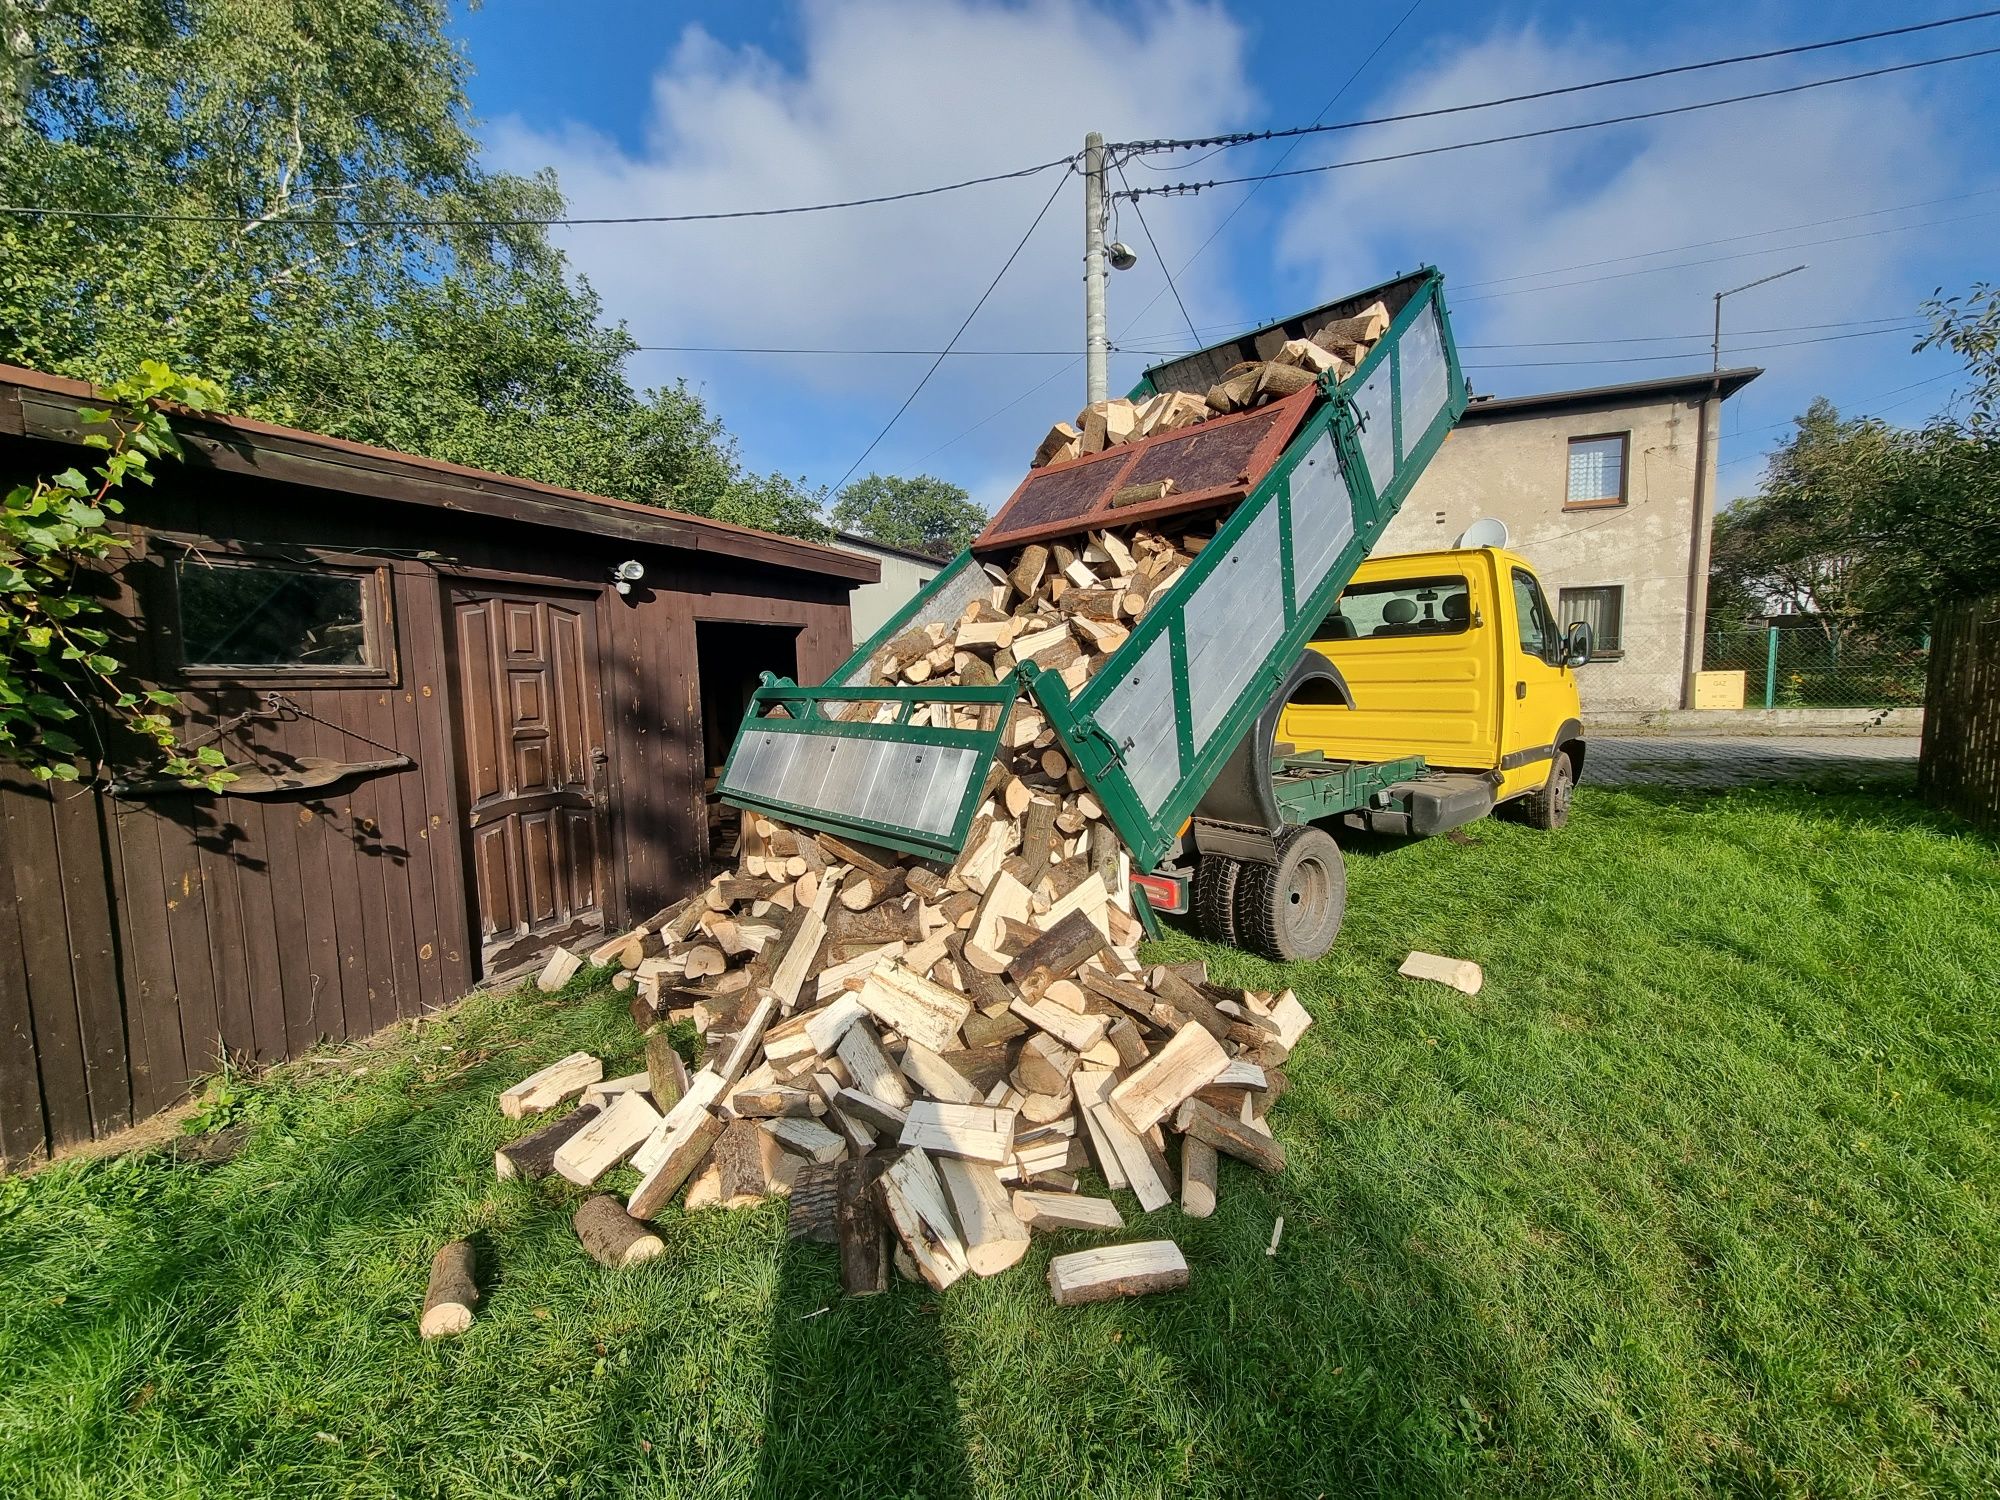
(532, 767)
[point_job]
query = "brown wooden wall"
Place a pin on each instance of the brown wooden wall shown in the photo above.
(1960, 768)
(139, 939)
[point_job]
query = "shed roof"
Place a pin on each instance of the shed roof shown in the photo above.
(1630, 393)
(38, 405)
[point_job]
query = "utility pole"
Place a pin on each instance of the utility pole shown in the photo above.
(1096, 344)
(1708, 430)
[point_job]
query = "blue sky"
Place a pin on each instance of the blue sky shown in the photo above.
(1574, 260)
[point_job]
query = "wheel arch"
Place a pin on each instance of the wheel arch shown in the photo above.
(1241, 791)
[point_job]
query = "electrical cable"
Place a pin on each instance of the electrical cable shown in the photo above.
(1164, 271)
(1181, 188)
(1006, 266)
(1229, 218)
(151, 217)
(1252, 137)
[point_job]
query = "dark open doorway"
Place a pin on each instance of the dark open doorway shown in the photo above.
(729, 657)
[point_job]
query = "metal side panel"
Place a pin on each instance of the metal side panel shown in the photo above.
(941, 601)
(908, 787)
(1156, 726)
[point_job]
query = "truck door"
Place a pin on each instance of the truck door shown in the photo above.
(1537, 692)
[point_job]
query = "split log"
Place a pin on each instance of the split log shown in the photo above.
(534, 1155)
(453, 1293)
(807, 1138)
(993, 1237)
(562, 966)
(685, 1149)
(1189, 1062)
(1205, 1123)
(613, 1237)
(746, 1156)
(1461, 974)
(776, 1104)
(864, 1238)
(560, 1080)
(923, 1011)
(975, 1131)
(666, 1073)
(919, 1211)
(1053, 1211)
(936, 1077)
(1117, 1271)
(607, 1140)
(1061, 949)
(814, 1210)
(1198, 1177)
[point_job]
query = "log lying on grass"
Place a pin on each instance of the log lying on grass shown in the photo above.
(453, 1294)
(613, 1237)
(1117, 1271)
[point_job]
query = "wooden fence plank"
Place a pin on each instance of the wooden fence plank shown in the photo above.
(1960, 766)
(81, 834)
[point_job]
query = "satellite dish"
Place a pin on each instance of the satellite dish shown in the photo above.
(1487, 531)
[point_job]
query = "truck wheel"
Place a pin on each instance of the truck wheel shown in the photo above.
(1215, 880)
(1549, 807)
(1292, 909)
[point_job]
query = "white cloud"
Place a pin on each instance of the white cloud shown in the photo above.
(1595, 196)
(888, 94)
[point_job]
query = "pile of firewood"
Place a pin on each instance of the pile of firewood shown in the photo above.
(930, 1057)
(1337, 348)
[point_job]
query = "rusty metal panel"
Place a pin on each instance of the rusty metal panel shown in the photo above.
(1213, 463)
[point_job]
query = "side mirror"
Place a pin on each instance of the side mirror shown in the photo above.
(1578, 643)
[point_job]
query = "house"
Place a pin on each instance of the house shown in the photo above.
(479, 712)
(1609, 491)
(904, 572)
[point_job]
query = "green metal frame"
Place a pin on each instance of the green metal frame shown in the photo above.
(1151, 837)
(805, 707)
(1339, 789)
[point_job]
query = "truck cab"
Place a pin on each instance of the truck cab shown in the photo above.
(1456, 656)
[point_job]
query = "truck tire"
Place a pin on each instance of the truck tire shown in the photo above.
(1215, 880)
(1292, 910)
(1548, 808)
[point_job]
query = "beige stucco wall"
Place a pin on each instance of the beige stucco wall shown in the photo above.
(1515, 466)
(872, 604)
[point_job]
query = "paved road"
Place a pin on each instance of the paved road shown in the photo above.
(1703, 761)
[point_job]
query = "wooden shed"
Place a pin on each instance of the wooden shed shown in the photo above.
(470, 745)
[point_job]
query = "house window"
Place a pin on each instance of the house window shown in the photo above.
(270, 617)
(1603, 610)
(1597, 470)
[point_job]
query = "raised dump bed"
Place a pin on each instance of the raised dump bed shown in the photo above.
(1174, 724)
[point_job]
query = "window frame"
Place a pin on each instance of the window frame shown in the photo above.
(378, 636)
(1392, 585)
(1552, 645)
(1624, 440)
(1598, 652)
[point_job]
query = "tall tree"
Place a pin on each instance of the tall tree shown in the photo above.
(925, 514)
(317, 234)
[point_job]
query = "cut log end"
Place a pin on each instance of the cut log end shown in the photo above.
(453, 1294)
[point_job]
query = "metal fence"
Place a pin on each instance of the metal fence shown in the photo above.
(1814, 662)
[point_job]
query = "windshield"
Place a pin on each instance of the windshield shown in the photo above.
(1408, 606)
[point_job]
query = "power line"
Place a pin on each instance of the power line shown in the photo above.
(1154, 245)
(1730, 239)
(1249, 137)
(1714, 260)
(773, 349)
(1230, 217)
(1006, 266)
(1179, 188)
(569, 221)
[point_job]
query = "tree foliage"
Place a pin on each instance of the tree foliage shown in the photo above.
(331, 251)
(1855, 517)
(58, 677)
(925, 514)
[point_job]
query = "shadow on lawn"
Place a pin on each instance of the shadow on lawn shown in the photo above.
(862, 1400)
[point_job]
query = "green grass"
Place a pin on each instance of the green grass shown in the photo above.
(1700, 1195)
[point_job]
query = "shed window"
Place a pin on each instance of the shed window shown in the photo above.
(1597, 470)
(268, 616)
(1603, 609)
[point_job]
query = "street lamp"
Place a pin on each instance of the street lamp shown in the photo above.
(1715, 356)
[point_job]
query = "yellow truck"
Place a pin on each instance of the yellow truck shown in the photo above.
(1454, 656)
(1437, 688)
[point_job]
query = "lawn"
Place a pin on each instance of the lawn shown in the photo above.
(1701, 1194)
